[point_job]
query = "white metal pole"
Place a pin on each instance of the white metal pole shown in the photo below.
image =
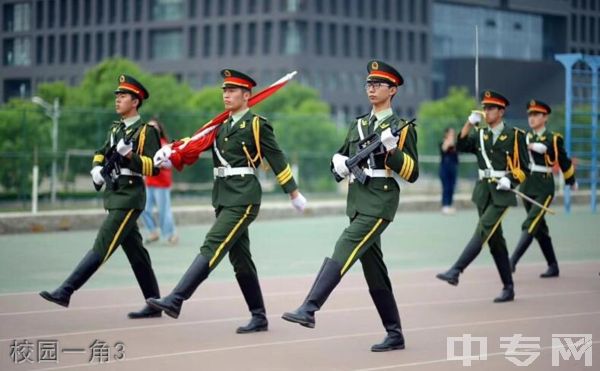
(55, 115)
(476, 62)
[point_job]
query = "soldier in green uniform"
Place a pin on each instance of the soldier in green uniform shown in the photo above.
(501, 155)
(241, 145)
(546, 149)
(136, 144)
(371, 207)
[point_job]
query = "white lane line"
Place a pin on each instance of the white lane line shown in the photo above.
(233, 297)
(326, 338)
(397, 272)
(442, 360)
(276, 316)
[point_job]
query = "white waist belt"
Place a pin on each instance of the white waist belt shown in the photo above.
(374, 173)
(487, 173)
(128, 172)
(539, 168)
(222, 172)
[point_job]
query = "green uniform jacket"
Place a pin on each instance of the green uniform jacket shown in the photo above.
(379, 197)
(131, 192)
(542, 184)
(238, 146)
(509, 154)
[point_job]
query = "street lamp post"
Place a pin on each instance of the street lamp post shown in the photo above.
(52, 111)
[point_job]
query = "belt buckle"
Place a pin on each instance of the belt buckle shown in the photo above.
(487, 173)
(221, 172)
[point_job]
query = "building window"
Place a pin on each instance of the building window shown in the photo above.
(221, 40)
(236, 39)
(74, 12)
(166, 45)
(387, 9)
(62, 42)
(266, 6)
(592, 29)
(386, 43)
(39, 14)
(51, 13)
(51, 49)
(206, 41)
(424, 48)
(266, 42)
(333, 7)
(583, 28)
(400, 10)
(373, 42)
(192, 42)
(573, 27)
(346, 40)
(237, 7)
(17, 51)
(251, 6)
(99, 46)
(17, 17)
(222, 7)
(319, 38)
(87, 47)
(125, 11)
(137, 45)
(99, 12)
(333, 39)
(374, 9)
(399, 45)
(63, 9)
(87, 12)
(251, 42)
(75, 48)
(112, 11)
(293, 37)
(411, 46)
(125, 43)
(137, 14)
(167, 10)
(112, 43)
(207, 7)
(412, 17)
(192, 8)
(360, 49)
(39, 50)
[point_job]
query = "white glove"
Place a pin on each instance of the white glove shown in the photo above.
(388, 139)
(162, 156)
(503, 184)
(474, 118)
(124, 149)
(574, 186)
(96, 176)
(538, 147)
(299, 202)
(339, 165)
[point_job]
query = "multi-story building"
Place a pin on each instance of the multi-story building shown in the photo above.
(328, 42)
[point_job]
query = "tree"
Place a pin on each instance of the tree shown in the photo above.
(433, 117)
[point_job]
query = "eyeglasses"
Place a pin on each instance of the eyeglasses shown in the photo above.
(375, 85)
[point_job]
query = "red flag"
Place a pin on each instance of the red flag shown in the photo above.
(187, 151)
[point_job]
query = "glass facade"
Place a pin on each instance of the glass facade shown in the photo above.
(166, 45)
(502, 34)
(167, 10)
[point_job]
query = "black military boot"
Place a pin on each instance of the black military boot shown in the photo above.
(327, 279)
(147, 281)
(507, 294)
(548, 250)
(193, 277)
(251, 290)
(466, 257)
(86, 268)
(388, 311)
(520, 249)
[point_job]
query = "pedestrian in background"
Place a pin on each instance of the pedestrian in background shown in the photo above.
(158, 192)
(448, 169)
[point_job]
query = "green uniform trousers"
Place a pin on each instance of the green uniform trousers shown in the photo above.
(229, 234)
(489, 227)
(120, 229)
(361, 240)
(535, 223)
